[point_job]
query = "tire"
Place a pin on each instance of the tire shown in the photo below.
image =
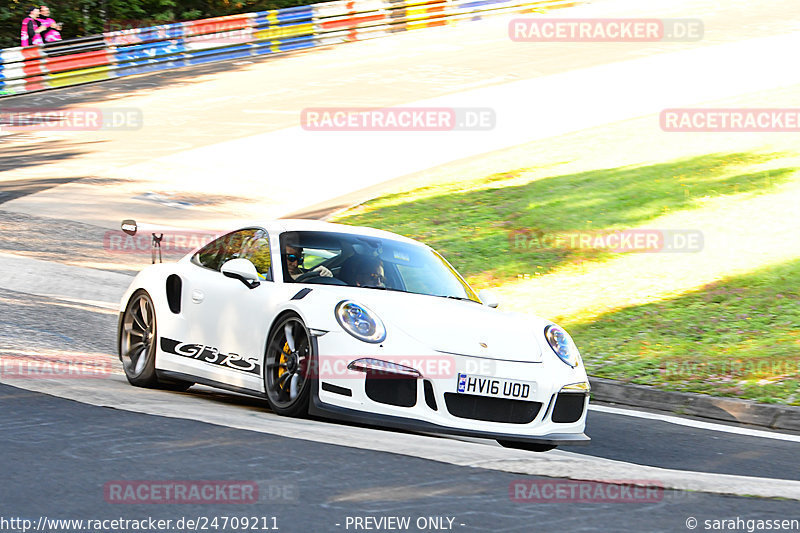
(137, 343)
(288, 361)
(529, 446)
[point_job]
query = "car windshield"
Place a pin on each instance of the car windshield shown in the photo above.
(330, 258)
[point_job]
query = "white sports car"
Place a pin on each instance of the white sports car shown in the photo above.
(354, 324)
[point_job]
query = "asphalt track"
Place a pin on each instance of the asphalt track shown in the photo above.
(58, 287)
(326, 484)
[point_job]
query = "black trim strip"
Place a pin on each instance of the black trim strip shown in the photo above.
(171, 374)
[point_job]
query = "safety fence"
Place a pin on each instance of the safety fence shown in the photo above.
(136, 51)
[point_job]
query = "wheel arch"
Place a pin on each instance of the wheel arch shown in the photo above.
(273, 330)
(153, 280)
(275, 321)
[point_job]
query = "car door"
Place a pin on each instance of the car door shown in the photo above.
(224, 327)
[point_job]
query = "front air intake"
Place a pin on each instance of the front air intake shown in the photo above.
(569, 407)
(491, 409)
(399, 391)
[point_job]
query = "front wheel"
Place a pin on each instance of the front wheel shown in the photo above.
(138, 337)
(287, 368)
(529, 446)
(137, 341)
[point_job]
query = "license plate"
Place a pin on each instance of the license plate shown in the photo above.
(495, 387)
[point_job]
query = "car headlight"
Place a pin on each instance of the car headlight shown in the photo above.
(360, 322)
(562, 344)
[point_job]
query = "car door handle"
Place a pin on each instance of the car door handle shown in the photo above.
(198, 296)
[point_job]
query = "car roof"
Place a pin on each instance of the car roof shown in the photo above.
(288, 224)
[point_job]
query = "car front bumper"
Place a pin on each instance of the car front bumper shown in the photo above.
(431, 402)
(318, 408)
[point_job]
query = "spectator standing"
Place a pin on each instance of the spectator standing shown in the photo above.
(31, 29)
(51, 32)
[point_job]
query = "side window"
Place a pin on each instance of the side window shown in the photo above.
(214, 254)
(256, 248)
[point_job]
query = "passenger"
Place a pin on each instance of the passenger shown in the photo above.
(364, 271)
(294, 263)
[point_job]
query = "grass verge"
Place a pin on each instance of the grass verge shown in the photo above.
(737, 337)
(723, 320)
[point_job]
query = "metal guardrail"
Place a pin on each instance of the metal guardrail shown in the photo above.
(128, 52)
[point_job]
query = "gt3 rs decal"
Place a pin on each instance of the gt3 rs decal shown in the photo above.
(209, 354)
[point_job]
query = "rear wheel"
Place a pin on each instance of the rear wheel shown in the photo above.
(138, 338)
(529, 446)
(287, 365)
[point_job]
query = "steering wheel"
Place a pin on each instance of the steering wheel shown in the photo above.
(307, 275)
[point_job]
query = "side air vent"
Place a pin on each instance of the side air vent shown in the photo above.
(174, 285)
(301, 294)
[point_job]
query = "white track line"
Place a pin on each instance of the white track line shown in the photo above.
(696, 423)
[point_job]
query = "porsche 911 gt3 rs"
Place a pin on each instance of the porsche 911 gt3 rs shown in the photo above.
(354, 324)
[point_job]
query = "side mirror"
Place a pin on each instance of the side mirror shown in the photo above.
(489, 298)
(243, 270)
(129, 226)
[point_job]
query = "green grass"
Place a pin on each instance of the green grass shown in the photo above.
(736, 337)
(494, 220)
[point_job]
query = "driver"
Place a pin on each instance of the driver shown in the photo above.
(294, 263)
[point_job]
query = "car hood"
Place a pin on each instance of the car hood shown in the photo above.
(455, 326)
